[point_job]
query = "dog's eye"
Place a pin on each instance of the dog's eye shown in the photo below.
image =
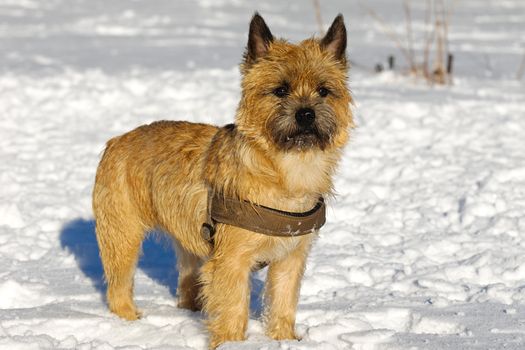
(323, 92)
(281, 91)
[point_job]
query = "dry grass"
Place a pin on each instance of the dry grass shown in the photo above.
(434, 62)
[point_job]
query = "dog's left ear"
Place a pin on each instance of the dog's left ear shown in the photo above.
(259, 39)
(335, 39)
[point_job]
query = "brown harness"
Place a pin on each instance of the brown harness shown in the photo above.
(260, 219)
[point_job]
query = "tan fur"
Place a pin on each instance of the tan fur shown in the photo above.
(157, 177)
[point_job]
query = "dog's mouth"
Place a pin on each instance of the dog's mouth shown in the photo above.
(304, 139)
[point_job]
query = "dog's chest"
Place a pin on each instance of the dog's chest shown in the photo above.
(308, 172)
(278, 248)
(272, 248)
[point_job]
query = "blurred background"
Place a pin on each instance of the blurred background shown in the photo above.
(486, 37)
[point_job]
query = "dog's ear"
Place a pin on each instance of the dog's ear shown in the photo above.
(335, 39)
(259, 39)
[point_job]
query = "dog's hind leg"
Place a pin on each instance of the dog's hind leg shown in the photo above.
(119, 245)
(188, 286)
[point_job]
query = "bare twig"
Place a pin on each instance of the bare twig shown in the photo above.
(521, 69)
(450, 64)
(447, 14)
(389, 31)
(445, 18)
(429, 38)
(439, 65)
(318, 16)
(408, 20)
(446, 21)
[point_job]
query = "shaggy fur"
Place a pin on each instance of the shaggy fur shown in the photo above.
(157, 177)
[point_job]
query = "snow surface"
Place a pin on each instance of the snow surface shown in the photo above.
(424, 245)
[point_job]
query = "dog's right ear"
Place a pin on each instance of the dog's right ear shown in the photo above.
(259, 39)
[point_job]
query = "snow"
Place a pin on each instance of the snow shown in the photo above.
(423, 246)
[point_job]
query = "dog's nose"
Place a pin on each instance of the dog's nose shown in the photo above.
(305, 117)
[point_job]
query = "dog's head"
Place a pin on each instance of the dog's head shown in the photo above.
(295, 97)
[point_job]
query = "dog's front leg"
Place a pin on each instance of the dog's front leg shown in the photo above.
(226, 292)
(282, 292)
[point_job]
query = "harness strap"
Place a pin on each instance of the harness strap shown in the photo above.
(261, 219)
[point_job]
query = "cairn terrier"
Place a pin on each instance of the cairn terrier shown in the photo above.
(291, 125)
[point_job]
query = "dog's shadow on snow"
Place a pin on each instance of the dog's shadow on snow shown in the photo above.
(158, 260)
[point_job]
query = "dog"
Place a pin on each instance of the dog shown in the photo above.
(292, 123)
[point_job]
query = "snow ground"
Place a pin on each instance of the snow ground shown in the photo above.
(424, 245)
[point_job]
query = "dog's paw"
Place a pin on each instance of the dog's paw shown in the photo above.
(284, 333)
(217, 340)
(127, 312)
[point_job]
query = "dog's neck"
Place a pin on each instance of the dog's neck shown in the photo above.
(307, 171)
(291, 181)
(306, 175)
